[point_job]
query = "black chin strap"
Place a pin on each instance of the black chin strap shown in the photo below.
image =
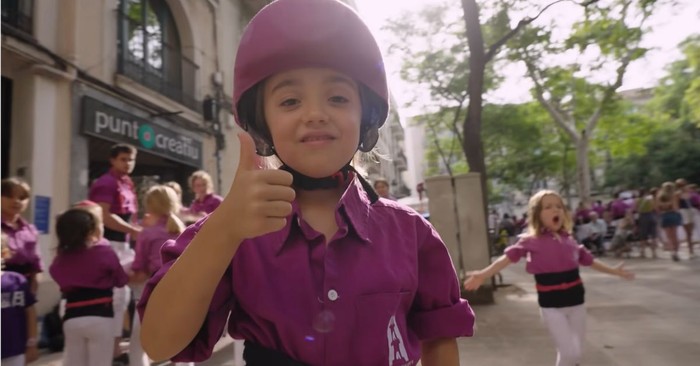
(336, 180)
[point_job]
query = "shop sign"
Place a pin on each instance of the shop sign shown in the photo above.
(161, 138)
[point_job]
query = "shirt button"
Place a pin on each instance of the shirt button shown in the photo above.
(332, 295)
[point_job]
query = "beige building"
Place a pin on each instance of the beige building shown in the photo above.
(78, 76)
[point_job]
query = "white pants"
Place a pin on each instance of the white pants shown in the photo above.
(567, 326)
(13, 361)
(121, 295)
(88, 341)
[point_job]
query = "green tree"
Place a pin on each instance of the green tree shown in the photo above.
(609, 34)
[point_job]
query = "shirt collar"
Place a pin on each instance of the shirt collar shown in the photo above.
(354, 206)
(21, 223)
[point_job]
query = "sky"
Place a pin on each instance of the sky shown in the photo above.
(669, 27)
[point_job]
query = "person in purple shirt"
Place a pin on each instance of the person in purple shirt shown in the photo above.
(114, 192)
(22, 237)
(162, 205)
(313, 268)
(86, 270)
(205, 201)
(554, 257)
(381, 186)
(19, 324)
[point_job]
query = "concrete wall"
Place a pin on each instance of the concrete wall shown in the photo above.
(458, 216)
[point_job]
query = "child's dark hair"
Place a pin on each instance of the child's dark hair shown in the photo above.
(74, 228)
(121, 149)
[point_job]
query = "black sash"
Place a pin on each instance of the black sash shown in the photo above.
(82, 295)
(256, 355)
(24, 269)
(560, 298)
(117, 235)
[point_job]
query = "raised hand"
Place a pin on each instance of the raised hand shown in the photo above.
(259, 200)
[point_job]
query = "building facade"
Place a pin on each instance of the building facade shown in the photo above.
(79, 76)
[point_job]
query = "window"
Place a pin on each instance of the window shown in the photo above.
(18, 14)
(150, 53)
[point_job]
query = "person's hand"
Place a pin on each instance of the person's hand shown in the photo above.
(259, 200)
(474, 280)
(622, 272)
(31, 354)
(134, 232)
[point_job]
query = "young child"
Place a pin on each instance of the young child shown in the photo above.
(554, 257)
(19, 328)
(162, 205)
(313, 268)
(21, 236)
(86, 269)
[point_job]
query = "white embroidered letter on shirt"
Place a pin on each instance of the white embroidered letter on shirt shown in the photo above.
(397, 351)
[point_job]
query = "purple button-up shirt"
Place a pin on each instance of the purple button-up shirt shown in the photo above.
(206, 205)
(148, 244)
(22, 242)
(384, 283)
(117, 191)
(95, 267)
(548, 254)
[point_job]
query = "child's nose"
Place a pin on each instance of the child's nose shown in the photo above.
(315, 112)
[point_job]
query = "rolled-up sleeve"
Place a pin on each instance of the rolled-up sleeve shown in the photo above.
(585, 258)
(437, 310)
(202, 346)
(517, 250)
(103, 191)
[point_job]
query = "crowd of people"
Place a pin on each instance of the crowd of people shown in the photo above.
(105, 253)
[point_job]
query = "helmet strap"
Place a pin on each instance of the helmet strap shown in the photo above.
(338, 179)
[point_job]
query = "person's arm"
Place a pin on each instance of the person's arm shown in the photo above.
(440, 352)
(618, 270)
(32, 352)
(116, 223)
(476, 278)
(176, 308)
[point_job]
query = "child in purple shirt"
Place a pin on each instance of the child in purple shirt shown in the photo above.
(19, 328)
(162, 205)
(554, 257)
(86, 269)
(313, 268)
(22, 237)
(205, 201)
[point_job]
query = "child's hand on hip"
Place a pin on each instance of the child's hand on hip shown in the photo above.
(259, 200)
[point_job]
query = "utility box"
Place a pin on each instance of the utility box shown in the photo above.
(457, 213)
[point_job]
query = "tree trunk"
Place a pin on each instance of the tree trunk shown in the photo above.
(583, 170)
(471, 145)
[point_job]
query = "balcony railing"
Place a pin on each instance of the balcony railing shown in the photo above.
(162, 68)
(18, 14)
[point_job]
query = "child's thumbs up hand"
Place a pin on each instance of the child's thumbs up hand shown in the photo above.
(259, 200)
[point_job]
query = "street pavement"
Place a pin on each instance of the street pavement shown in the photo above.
(651, 321)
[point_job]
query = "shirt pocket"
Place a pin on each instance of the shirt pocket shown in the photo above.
(381, 335)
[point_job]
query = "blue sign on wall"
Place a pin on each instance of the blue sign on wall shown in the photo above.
(42, 210)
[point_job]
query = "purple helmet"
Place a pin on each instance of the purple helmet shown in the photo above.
(291, 34)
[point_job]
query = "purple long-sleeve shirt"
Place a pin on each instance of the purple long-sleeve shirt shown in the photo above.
(384, 283)
(22, 241)
(95, 267)
(547, 253)
(150, 240)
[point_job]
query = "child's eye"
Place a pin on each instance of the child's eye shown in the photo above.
(338, 99)
(289, 102)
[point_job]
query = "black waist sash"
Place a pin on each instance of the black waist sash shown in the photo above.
(88, 302)
(256, 355)
(559, 289)
(24, 269)
(117, 235)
